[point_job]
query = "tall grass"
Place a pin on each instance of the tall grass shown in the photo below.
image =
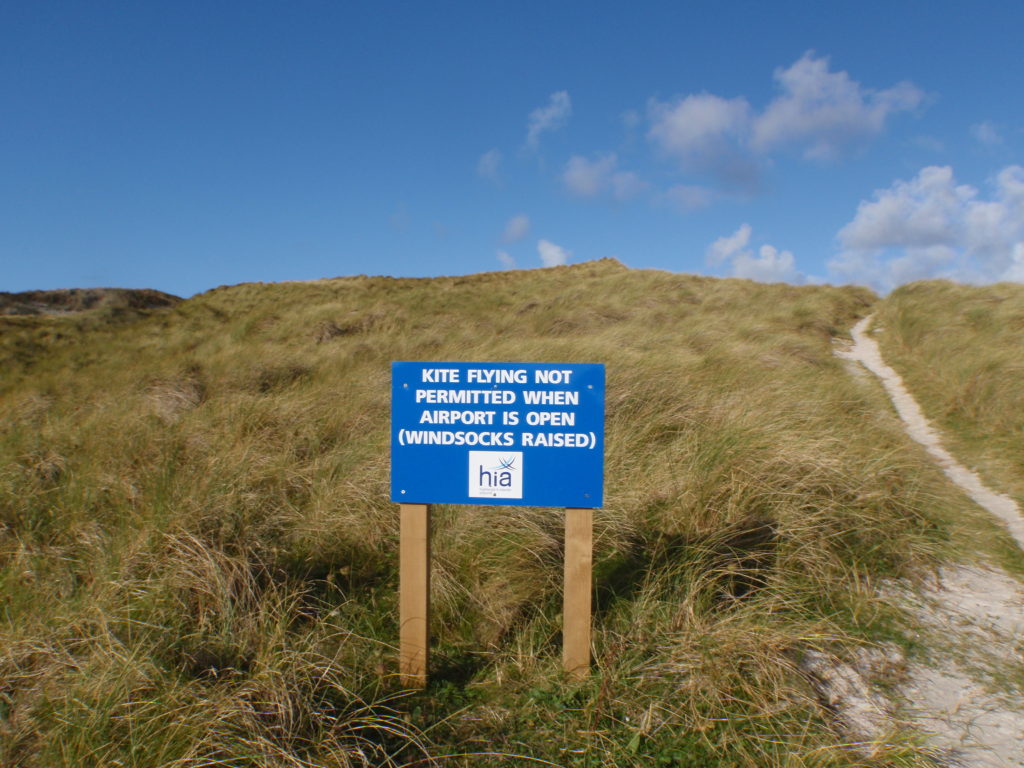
(961, 350)
(198, 555)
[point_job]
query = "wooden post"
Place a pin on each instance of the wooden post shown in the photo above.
(579, 538)
(414, 595)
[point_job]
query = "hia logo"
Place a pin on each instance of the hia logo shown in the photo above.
(496, 474)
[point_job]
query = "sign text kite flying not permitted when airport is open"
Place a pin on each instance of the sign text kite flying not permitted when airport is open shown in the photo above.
(522, 434)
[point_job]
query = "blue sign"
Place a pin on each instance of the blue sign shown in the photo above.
(520, 434)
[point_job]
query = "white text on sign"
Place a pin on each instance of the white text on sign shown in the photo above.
(495, 376)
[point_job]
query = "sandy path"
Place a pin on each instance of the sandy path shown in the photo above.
(865, 351)
(971, 618)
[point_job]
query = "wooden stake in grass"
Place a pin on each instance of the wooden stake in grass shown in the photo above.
(414, 594)
(579, 538)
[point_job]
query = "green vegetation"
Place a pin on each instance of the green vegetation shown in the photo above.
(79, 299)
(198, 556)
(960, 350)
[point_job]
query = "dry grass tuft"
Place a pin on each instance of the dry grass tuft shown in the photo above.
(173, 396)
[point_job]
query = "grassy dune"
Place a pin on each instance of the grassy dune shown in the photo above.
(198, 556)
(961, 351)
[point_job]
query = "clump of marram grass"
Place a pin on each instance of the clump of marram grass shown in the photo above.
(221, 585)
(191, 658)
(174, 395)
(959, 348)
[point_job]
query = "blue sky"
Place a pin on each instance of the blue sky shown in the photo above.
(181, 146)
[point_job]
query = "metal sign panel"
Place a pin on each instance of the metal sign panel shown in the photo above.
(519, 434)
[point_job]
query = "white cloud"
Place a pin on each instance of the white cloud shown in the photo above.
(697, 123)
(1015, 271)
(590, 178)
(931, 227)
(914, 214)
(516, 228)
(548, 118)
(769, 265)
(686, 198)
(987, 133)
(507, 261)
(819, 111)
(826, 111)
(488, 164)
(587, 178)
(552, 255)
(705, 134)
(724, 248)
